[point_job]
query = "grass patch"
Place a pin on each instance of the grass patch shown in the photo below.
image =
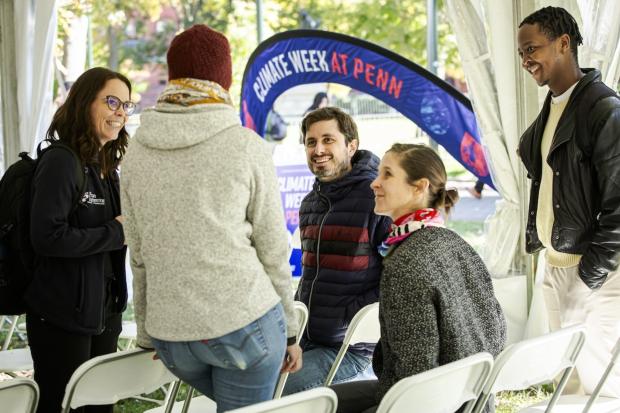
(513, 401)
(139, 406)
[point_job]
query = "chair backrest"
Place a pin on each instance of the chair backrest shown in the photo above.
(17, 359)
(364, 328)
(19, 396)
(534, 361)
(302, 317)
(319, 400)
(109, 378)
(441, 390)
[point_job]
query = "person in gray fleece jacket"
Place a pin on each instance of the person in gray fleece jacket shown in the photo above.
(436, 300)
(206, 233)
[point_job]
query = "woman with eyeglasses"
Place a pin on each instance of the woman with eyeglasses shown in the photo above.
(78, 290)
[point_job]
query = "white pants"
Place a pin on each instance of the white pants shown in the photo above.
(569, 301)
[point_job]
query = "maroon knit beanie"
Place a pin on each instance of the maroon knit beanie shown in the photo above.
(200, 53)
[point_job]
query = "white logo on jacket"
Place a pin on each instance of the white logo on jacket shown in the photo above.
(91, 198)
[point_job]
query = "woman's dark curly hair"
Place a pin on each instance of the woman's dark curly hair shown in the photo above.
(72, 123)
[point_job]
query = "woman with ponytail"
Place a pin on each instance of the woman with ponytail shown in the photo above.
(436, 298)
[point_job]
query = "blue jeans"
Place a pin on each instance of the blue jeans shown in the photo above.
(235, 370)
(318, 360)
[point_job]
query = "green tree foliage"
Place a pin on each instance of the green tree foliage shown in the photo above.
(124, 38)
(397, 25)
(109, 20)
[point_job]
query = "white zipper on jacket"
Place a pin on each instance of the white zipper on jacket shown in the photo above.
(318, 256)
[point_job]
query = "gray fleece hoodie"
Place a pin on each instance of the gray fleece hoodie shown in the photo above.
(204, 225)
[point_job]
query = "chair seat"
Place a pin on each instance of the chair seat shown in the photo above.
(200, 404)
(15, 360)
(575, 404)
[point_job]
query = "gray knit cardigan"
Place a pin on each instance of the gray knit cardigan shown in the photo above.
(436, 306)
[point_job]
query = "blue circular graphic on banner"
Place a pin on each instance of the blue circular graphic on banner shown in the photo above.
(435, 115)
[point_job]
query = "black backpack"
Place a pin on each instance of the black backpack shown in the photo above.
(16, 253)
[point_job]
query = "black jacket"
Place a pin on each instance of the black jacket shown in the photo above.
(68, 286)
(340, 234)
(586, 185)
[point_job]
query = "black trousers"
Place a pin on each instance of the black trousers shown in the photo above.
(357, 396)
(360, 397)
(57, 353)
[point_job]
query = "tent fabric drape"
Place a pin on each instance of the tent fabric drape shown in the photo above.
(496, 119)
(601, 37)
(35, 35)
(486, 37)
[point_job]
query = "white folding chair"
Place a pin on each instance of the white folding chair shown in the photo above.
(586, 404)
(302, 316)
(109, 378)
(203, 404)
(534, 361)
(15, 359)
(441, 390)
(364, 328)
(18, 359)
(319, 400)
(19, 396)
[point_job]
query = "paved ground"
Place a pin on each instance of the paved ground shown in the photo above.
(472, 209)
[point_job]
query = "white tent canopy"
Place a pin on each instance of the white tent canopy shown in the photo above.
(505, 102)
(28, 32)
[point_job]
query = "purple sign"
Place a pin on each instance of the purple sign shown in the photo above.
(295, 182)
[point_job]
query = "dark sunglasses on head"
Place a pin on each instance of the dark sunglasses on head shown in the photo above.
(115, 103)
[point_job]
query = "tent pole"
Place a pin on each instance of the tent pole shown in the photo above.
(527, 109)
(431, 46)
(260, 32)
(8, 86)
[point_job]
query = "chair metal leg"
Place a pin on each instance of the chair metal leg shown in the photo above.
(188, 400)
(171, 396)
(13, 323)
(280, 386)
(599, 386)
(558, 391)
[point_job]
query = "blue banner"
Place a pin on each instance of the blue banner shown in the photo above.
(295, 182)
(313, 56)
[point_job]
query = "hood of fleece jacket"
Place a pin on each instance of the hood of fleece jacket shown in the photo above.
(177, 127)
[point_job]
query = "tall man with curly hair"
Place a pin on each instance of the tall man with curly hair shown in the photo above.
(572, 155)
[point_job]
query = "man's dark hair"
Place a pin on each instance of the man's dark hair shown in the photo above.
(554, 22)
(346, 125)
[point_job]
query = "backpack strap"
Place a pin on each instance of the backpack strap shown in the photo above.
(596, 92)
(79, 170)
